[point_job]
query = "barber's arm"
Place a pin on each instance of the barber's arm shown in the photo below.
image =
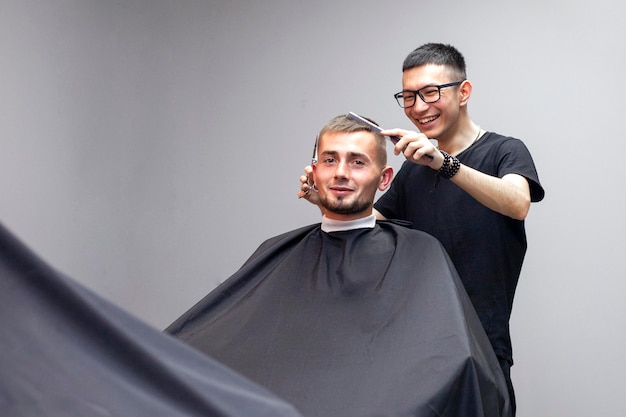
(509, 195)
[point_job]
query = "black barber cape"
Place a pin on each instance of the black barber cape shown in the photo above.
(364, 323)
(66, 352)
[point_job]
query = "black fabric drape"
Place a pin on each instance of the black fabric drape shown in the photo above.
(363, 323)
(64, 351)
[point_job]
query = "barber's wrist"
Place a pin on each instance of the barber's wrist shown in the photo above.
(450, 166)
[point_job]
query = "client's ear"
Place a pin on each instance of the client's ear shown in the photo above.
(385, 178)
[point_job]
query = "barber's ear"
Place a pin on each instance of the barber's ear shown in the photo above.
(385, 178)
(465, 91)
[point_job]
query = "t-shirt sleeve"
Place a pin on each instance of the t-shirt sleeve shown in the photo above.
(516, 159)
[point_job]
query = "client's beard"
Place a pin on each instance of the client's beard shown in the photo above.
(343, 207)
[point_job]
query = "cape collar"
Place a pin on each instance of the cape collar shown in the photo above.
(330, 225)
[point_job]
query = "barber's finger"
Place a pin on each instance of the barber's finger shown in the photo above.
(394, 132)
(305, 188)
(405, 146)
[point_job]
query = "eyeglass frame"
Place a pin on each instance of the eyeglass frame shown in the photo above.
(419, 93)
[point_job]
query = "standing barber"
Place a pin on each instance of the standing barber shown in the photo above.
(473, 192)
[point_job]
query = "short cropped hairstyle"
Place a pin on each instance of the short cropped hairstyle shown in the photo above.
(437, 54)
(343, 124)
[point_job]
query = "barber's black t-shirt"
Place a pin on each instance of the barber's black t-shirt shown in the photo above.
(486, 247)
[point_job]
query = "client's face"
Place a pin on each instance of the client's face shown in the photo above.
(347, 174)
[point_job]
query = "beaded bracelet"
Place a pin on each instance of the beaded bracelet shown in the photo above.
(450, 166)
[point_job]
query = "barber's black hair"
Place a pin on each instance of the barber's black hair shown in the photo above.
(437, 54)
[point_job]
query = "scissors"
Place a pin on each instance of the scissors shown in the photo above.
(309, 180)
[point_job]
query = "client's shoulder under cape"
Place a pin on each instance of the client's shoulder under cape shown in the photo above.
(366, 322)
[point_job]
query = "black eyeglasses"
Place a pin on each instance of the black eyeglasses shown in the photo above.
(428, 94)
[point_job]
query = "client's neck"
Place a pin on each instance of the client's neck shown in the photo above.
(333, 225)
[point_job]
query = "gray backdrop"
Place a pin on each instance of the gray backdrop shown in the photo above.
(147, 147)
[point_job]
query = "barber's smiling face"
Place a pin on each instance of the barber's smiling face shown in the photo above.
(438, 118)
(347, 174)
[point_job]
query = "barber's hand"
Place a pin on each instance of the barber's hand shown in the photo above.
(307, 190)
(416, 147)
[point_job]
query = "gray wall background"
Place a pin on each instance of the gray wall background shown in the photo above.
(148, 146)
